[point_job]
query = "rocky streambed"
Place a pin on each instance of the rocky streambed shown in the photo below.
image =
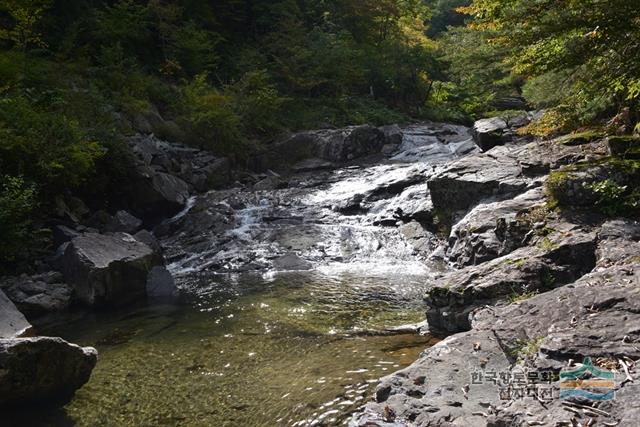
(283, 296)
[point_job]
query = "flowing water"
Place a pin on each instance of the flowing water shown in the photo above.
(289, 300)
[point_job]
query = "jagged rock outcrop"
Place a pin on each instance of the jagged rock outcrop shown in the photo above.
(42, 369)
(165, 174)
(108, 269)
(502, 173)
(491, 230)
(554, 260)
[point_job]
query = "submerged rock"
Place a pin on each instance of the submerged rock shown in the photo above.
(160, 284)
(291, 262)
(42, 369)
(108, 269)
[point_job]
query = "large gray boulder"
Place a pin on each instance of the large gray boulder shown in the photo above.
(494, 131)
(108, 269)
(489, 133)
(334, 145)
(157, 195)
(124, 222)
(12, 323)
(42, 369)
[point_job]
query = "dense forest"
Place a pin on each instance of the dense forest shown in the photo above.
(78, 76)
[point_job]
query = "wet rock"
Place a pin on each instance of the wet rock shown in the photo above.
(502, 173)
(124, 222)
(556, 260)
(268, 183)
(310, 165)
(38, 295)
(351, 205)
(469, 180)
(491, 230)
(12, 323)
(160, 196)
(291, 262)
(165, 173)
(160, 284)
(413, 204)
(392, 134)
(108, 269)
(42, 369)
(421, 239)
(149, 239)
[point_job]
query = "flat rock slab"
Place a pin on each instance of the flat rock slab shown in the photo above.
(502, 172)
(13, 324)
(42, 369)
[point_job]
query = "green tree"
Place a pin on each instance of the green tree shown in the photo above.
(595, 41)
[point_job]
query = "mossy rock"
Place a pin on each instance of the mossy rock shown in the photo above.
(581, 138)
(624, 146)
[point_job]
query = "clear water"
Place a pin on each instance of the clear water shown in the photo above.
(293, 349)
(260, 348)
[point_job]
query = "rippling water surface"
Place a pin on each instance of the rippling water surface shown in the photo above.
(253, 343)
(289, 350)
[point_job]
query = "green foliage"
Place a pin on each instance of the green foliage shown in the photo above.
(26, 17)
(17, 203)
(526, 349)
(42, 145)
(476, 70)
(516, 297)
(610, 196)
(212, 114)
(588, 42)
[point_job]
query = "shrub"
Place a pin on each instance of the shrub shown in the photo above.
(17, 203)
(44, 146)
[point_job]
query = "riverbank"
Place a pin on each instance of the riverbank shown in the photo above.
(538, 291)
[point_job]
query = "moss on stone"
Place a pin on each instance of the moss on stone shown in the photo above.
(581, 138)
